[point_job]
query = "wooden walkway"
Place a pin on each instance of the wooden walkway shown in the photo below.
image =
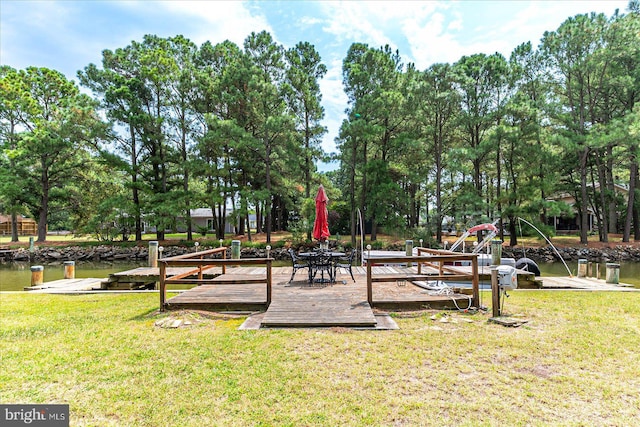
(66, 286)
(584, 283)
(305, 305)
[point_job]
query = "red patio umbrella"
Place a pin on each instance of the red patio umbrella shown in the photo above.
(321, 224)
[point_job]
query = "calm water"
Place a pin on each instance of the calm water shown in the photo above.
(15, 276)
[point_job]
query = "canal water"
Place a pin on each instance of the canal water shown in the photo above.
(15, 276)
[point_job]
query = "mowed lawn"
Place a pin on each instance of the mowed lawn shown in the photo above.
(576, 362)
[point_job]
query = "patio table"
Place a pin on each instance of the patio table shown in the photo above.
(321, 261)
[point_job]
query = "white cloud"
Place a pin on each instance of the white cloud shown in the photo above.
(447, 37)
(217, 21)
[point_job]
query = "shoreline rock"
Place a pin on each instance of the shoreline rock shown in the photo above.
(547, 254)
(107, 253)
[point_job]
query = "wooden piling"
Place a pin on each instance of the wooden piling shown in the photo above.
(153, 253)
(613, 273)
(495, 293)
(69, 270)
(37, 275)
(582, 268)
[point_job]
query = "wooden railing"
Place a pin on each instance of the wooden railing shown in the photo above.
(431, 258)
(202, 264)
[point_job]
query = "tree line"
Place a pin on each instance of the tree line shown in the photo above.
(173, 126)
(491, 137)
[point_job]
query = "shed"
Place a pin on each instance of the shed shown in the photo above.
(26, 226)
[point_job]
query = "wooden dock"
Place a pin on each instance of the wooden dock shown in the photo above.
(67, 286)
(584, 283)
(303, 304)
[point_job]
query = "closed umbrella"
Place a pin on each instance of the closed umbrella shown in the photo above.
(321, 224)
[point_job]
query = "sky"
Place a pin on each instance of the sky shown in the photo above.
(68, 35)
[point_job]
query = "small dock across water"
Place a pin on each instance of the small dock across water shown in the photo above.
(67, 286)
(584, 283)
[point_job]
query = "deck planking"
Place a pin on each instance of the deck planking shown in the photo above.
(66, 285)
(584, 283)
(238, 297)
(302, 304)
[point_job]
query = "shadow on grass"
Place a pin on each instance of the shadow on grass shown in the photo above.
(150, 313)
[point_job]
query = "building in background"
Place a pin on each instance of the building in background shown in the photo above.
(26, 226)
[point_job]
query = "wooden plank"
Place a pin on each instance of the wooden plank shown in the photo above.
(224, 279)
(75, 285)
(319, 306)
(590, 283)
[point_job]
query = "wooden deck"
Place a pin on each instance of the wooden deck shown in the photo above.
(221, 297)
(66, 286)
(584, 283)
(301, 304)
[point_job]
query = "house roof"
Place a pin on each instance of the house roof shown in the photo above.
(201, 213)
(568, 197)
(7, 218)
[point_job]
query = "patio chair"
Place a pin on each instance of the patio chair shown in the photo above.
(322, 262)
(346, 263)
(298, 264)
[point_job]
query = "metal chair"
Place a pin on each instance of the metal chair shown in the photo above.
(320, 263)
(298, 264)
(346, 263)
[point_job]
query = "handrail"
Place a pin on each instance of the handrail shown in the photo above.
(200, 255)
(197, 259)
(197, 254)
(434, 257)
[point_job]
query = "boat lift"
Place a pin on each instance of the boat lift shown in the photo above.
(491, 228)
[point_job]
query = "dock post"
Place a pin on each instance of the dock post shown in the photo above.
(369, 283)
(269, 282)
(37, 275)
(613, 273)
(69, 269)
(475, 280)
(153, 253)
(495, 292)
(235, 249)
(163, 286)
(409, 250)
(32, 249)
(496, 252)
(582, 268)
(598, 270)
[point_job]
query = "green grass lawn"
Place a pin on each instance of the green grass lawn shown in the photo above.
(575, 363)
